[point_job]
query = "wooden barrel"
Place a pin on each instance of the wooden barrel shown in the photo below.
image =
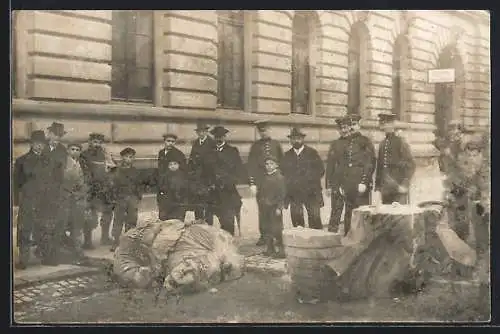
(384, 241)
(307, 251)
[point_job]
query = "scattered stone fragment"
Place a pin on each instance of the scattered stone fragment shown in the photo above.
(27, 299)
(56, 294)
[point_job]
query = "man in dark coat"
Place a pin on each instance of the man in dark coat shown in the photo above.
(333, 174)
(97, 164)
(450, 146)
(166, 155)
(53, 224)
(259, 151)
(395, 164)
(303, 169)
(356, 165)
(28, 190)
(200, 174)
(227, 166)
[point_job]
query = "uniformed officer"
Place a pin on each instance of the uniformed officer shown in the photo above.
(227, 166)
(259, 151)
(395, 164)
(332, 175)
(28, 189)
(200, 173)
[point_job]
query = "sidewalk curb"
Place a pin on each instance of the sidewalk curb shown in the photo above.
(57, 276)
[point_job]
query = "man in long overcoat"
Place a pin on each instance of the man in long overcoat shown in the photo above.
(53, 224)
(28, 189)
(200, 174)
(227, 167)
(333, 175)
(303, 169)
(165, 156)
(259, 151)
(395, 164)
(357, 166)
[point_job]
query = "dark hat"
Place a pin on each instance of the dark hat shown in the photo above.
(98, 136)
(474, 144)
(295, 132)
(219, 131)
(74, 144)
(261, 124)
(170, 135)
(386, 117)
(177, 159)
(270, 157)
(201, 126)
(38, 136)
(457, 124)
(353, 118)
(342, 121)
(127, 151)
(57, 129)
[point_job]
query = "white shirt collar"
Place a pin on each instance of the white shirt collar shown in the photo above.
(202, 140)
(298, 151)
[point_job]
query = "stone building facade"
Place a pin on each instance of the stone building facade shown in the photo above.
(134, 75)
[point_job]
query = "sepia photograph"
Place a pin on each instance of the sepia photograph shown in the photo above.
(250, 166)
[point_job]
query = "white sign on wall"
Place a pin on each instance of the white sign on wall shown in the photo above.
(442, 75)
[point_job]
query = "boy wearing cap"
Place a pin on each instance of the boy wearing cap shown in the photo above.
(259, 150)
(271, 197)
(395, 164)
(333, 175)
(74, 196)
(128, 190)
(27, 185)
(199, 173)
(166, 155)
(226, 164)
(97, 162)
(303, 169)
(172, 192)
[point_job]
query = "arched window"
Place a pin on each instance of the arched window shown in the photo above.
(13, 54)
(357, 57)
(230, 62)
(399, 71)
(132, 55)
(301, 62)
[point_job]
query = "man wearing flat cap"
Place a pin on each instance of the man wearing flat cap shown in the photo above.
(226, 164)
(199, 173)
(303, 169)
(166, 155)
(395, 164)
(97, 162)
(450, 145)
(356, 166)
(259, 151)
(28, 188)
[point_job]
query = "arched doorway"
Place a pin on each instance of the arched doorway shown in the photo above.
(449, 97)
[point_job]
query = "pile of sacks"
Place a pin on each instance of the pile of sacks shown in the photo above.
(187, 257)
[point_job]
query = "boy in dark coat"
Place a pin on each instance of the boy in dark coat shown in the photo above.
(271, 197)
(395, 164)
(172, 192)
(128, 190)
(303, 169)
(28, 189)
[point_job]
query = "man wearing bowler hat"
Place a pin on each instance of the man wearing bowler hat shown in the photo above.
(395, 164)
(303, 169)
(97, 164)
(200, 173)
(227, 168)
(166, 155)
(28, 189)
(259, 151)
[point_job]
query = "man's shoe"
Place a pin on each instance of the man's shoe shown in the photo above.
(20, 266)
(106, 241)
(261, 242)
(88, 246)
(333, 229)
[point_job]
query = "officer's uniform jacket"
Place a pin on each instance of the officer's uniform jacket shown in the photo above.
(395, 164)
(333, 173)
(94, 165)
(259, 150)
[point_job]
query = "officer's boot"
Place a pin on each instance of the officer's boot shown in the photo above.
(87, 239)
(269, 247)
